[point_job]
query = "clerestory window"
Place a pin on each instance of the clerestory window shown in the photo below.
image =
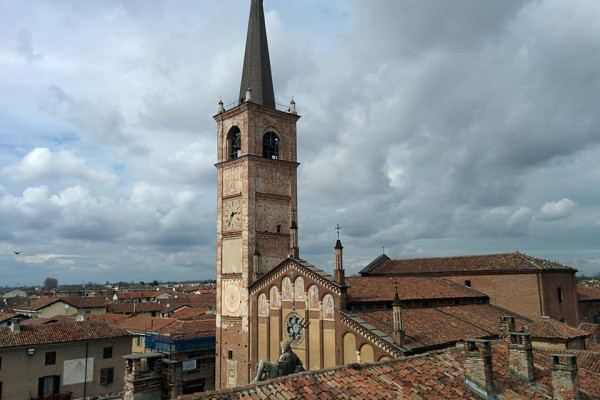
(271, 146)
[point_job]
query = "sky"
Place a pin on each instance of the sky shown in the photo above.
(429, 128)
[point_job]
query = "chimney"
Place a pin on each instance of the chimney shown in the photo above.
(520, 356)
(507, 325)
(397, 316)
(255, 264)
(294, 250)
(478, 369)
(565, 385)
(15, 325)
(339, 274)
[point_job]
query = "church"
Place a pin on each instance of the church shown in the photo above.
(266, 293)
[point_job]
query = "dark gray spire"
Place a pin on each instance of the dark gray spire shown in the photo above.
(256, 75)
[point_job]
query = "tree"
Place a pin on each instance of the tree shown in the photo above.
(50, 283)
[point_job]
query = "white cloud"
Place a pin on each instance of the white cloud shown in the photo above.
(556, 210)
(41, 163)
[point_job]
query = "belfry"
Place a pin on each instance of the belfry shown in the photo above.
(257, 200)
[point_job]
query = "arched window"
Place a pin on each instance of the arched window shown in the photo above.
(234, 143)
(271, 146)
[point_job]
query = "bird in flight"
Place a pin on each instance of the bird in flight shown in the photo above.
(16, 252)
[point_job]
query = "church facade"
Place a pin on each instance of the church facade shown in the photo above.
(267, 294)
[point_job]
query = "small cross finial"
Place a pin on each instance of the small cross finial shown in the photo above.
(383, 249)
(396, 285)
(338, 228)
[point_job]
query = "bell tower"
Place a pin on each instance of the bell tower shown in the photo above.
(256, 200)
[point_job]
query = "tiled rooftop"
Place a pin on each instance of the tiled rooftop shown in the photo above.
(439, 326)
(549, 328)
(433, 376)
(59, 333)
(37, 304)
(128, 308)
(587, 294)
(144, 323)
(508, 262)
(371, 289)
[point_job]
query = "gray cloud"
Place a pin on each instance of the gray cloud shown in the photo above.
(430, 128)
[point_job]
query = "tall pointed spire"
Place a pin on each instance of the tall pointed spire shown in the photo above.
(256, 75)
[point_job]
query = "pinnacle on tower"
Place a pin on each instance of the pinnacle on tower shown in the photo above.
(256, 75)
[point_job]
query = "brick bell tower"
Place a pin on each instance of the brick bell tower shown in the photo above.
(256, 200)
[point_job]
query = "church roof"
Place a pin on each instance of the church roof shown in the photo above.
(256, 74)
(436, 327)
(487, 263)
(431, 376)
(374, 289)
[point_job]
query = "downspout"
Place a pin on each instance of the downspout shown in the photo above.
(85, 371)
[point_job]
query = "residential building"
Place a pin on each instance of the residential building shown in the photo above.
(79, 358)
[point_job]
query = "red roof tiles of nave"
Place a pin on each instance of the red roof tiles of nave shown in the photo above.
(59, 332)
(409, 288)
(508, 262)
(438, 326)
(587, 294)
(549, 328)
(433, 376)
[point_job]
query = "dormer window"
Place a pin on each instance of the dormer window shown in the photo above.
(234, 143)
(270, 146)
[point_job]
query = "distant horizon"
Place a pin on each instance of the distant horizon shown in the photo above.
(428, 129)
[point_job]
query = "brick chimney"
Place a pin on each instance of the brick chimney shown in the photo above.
(339, 273)
(507, 325)
(520, 356)
(294, 249)
(397, 316)
(565, 384)
(478, 369)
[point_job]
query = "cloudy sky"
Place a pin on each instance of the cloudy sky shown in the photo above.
(432, 128)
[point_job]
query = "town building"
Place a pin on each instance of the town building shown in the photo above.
(77, 359)
(526, 285)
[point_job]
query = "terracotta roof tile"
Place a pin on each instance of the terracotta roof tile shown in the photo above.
(509, 262)
(371, 289)
(433, 376)
(549, 328)
(144, 323)
(587, 294)
(128, 308)
(59, 332)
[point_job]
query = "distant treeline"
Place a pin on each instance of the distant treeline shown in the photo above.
(583, 277)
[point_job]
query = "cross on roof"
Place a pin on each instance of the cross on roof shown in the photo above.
(338, 228)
